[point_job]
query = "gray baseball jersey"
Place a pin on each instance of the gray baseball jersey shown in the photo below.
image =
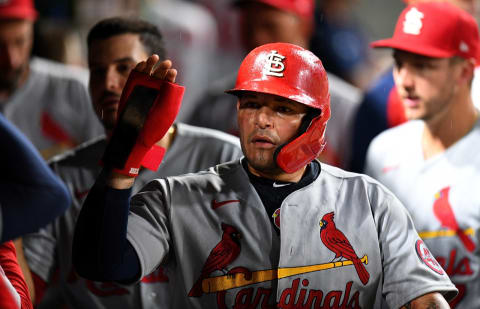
(53, 108)
(442, 197)
(345, 242)
(49, 250)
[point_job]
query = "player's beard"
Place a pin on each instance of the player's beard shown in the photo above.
(263, 162)
(10, 81)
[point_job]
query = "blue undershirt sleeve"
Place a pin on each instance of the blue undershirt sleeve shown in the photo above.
(101, 251)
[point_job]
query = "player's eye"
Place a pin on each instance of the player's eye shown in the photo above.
(397, 63)
(285, 110)
(249, 104)
(124, 68)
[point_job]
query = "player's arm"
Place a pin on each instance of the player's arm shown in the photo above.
(101, 250)
(428, 301)
(30, 194)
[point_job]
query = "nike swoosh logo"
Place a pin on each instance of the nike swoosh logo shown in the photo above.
(279, 185)
(216, 204)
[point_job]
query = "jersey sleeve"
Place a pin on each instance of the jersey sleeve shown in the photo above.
(39, 249)
(409, 269)
(148, 225)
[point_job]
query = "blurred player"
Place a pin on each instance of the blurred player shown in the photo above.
(381, 108)
(47, 101)
(428, 162)
(274, 229)
(114, 47)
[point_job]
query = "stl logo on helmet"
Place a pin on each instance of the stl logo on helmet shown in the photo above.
(413, 22)
(274, 65)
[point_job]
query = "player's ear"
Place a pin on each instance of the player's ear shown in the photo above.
(465, 69)
(468, 69)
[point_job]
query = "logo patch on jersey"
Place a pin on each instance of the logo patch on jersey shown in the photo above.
(426, 256)
(443, 211)
(338, 243)
(216, 204)
(413, 21)
(276, 218)
(274, 65)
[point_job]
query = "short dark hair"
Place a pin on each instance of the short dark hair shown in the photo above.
(150, 36)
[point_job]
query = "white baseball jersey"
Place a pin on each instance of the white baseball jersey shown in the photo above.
(53, 108)
(345, 242)
(442, 197)
(50, 249)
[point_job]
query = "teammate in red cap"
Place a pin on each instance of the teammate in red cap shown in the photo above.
(381, 108)
(47, 101)
(263, 231)
(428, 161)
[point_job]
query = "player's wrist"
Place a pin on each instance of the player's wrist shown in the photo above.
(119, 181)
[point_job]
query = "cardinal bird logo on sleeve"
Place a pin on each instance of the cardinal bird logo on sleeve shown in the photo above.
(222, 255)
(336, 241)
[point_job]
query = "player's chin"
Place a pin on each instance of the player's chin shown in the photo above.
(262, 161)
(109, 121)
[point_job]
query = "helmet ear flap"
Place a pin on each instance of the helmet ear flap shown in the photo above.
(304, 148)
(306, 122)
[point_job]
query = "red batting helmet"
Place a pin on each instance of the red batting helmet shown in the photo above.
(291, 72)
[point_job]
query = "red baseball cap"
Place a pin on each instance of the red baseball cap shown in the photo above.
(302, 8)
(17, 9)
(435, 29)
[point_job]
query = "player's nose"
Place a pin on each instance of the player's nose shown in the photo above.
(264, 117)
(113, 80)
(405, 77)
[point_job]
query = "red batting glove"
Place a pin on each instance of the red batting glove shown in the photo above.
(148, 107)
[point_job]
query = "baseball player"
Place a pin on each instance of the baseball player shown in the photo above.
(275, 229)
(115, 46)
(47, 101)
(381, 108)
(427, 162)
